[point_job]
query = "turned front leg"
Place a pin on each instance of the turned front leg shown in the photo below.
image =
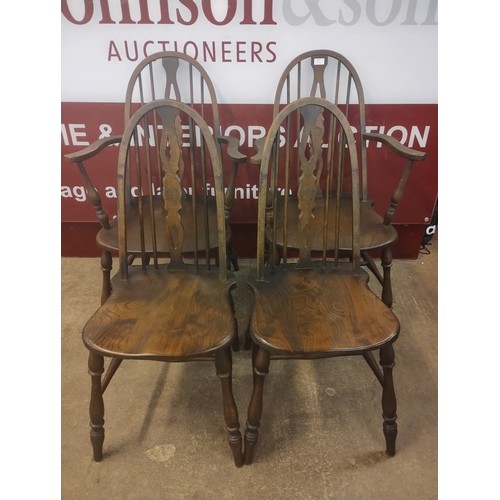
(223, 366)
(261, 360)
(389, 399)
(96, 408)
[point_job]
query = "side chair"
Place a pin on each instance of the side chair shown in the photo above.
(172, 303)
(314, 301)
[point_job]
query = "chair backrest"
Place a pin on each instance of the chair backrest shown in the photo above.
(309, 157)
(329, 75)
(176, 76)
(167, 146)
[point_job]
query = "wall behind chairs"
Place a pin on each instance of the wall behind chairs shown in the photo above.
(244, 46)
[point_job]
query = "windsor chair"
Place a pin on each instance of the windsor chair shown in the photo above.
(171, 304)
(171, 75)
(314, 302)
(330, 75)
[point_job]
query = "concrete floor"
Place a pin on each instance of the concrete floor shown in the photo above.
(321, 433)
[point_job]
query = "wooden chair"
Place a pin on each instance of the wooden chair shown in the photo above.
(314, 303)
(329, 75)
(171, 309)
(171, 75)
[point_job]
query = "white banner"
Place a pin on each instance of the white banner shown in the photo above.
(244, 45)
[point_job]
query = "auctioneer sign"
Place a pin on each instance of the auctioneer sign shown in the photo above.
(244, 45)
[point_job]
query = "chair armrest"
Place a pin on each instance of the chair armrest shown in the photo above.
(259, 146)
(79, 157)
(411, 155)
(233, 148)
(92, 149)
(396, 146)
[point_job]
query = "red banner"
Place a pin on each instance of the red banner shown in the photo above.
(415, 125)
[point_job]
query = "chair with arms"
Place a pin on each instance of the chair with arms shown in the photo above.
(171, 75)
(314, 302)
(176, 308)
(329, 75)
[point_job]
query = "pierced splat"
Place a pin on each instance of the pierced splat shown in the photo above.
(171, 65)
(318, 64)
(172, 166)
(310, 147)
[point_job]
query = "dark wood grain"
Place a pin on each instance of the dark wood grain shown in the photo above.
(163, 315)
(318, 311)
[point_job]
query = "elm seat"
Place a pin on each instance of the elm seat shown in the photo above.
(283, 319)
(164, 320)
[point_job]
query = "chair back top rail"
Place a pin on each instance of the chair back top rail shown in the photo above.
(172, 75)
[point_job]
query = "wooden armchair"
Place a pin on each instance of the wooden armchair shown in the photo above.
(314, 302)
(177, 308)
(170, 75)
(329, 75)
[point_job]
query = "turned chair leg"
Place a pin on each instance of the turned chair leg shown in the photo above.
(389, 399)
(260, 361)
(223, 366)
(386, 285)
(106, 267)
(96, 408)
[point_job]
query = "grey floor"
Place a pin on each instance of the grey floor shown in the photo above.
(321, 433)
